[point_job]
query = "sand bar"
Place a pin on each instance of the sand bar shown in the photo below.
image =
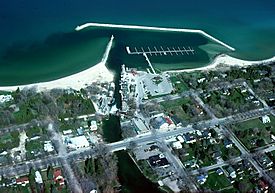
(225, 60)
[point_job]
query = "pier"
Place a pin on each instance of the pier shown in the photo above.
(159, 51)
(154, 51)
(147, 59)
(81, 27)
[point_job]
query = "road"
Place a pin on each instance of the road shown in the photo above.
(84, 153)
(214, 166)
(175, 161)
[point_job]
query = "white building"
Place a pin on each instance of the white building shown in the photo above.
(78, 142)
(265, 119)
(93, 126)
(48, 147)
(38, 178)
(66, 132)
(5, 98)
(176, 145)
(180, 139)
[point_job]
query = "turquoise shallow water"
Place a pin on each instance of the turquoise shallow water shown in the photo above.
(37, 42)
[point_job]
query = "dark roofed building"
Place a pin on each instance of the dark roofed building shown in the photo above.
(158, 161)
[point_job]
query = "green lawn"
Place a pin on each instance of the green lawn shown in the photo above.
(179, 85)
(185, 109)
(34, 145)
(254, 129)
(33, 131)
(9, 140)
(147, 170)
(216, 182)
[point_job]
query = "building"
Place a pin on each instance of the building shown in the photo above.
(93, 126)
(66, 132)
(201, 179)
(22, 181)
(263, 186)
(227, 143)
(180, 139)
(159, 123)
(189, 138)
(38, 178)
(57, 177)
(219, 171)
(77, 142)
(265, 119)
(177, 145)
(48, 147)
(231, 172)
(5, 98)
(158, 161)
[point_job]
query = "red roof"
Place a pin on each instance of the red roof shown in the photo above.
(169, 121)
(57, 172)
(21, 180)
(58, 176)
(263, 185)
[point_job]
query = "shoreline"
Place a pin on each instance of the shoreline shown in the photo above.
(86, 25)
(227, 61)
(98, 72)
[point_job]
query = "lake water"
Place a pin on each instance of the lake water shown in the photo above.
(38, 42)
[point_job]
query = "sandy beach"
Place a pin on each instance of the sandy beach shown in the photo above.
(87, 25)
(225, 60)
(99, 72)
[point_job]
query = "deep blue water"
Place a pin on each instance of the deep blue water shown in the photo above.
(247, 25)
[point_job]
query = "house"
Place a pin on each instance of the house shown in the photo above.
(67, 132)
(169, 122)
(191, 163)
(265, 119)
(48, 147)
(219, 171)
(93, 126)
(57, 177)
(159, 123)
(5, 98)
(180, 139)
(177, 145)
(80, 131)
(158, 161)
(201, 80)
(263, 186)
(201, 178)
(227, 143)
(22, 181)
(217, 155)
(77, 142)
(231, 172)
(206, 134)
(199, 133)
(176, 120)
(38, 177)
(265, 161)
(189, 138)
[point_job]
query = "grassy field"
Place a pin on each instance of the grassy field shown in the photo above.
(175, 107)
(9, 141)
(216, 182)
(184, 108)
(235, 102)
(178, 84)
(254, 130)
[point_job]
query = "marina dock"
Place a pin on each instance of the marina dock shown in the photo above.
(154, 51)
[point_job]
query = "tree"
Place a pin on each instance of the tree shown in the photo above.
(50, 173)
